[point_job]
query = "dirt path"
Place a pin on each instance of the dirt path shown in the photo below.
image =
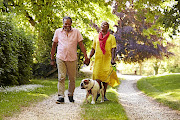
(49, 110)
(140, 107)
(137, 105)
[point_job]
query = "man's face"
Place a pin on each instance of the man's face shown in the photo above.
(104, 26)
(67, 25)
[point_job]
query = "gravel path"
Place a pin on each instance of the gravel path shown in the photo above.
(49, 110)
(140, 107)
(137, 105)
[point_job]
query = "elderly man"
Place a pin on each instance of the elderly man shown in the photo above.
(65, 40)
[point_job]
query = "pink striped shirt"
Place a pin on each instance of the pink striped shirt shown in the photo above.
(67, 45)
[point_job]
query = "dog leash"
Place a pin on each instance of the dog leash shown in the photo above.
(113, 68)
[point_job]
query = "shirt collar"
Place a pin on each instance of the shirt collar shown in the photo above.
(63, 29)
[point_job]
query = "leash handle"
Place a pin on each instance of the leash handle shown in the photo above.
(114, 67)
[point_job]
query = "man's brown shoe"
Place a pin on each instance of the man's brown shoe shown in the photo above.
(60, 100)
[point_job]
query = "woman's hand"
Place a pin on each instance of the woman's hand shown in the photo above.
(113, 62)
(87, 61)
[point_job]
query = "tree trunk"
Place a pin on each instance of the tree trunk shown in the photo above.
(156, 67)
(140, 68)
(156, 70)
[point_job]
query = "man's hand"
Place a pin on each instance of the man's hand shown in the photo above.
(53, 63)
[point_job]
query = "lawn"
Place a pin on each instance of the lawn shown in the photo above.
(165, 89)
(109, 110)
(12, 102)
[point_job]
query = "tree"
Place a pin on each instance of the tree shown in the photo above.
(46, 16)
(138, 34)
(166, 10)
(171, 17)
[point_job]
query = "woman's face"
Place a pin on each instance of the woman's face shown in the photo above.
(104, 26)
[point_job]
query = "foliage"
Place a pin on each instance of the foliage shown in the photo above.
(165, 89)
(172, 64)
(40, 70)
(16, 50)
(137, 35)
(171, 16)
(46, 17)
(166, 11)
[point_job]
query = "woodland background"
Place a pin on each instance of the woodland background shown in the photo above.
(147, 34)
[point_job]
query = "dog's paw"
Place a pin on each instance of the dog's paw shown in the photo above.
(102, 101)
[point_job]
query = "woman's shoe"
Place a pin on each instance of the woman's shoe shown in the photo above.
(71, 99)
(105, 99)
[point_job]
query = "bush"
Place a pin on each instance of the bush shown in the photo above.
(16, 50)
(40, 70)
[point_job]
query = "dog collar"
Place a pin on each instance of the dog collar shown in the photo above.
(90, 90)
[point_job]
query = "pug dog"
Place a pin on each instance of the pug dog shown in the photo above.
(93, 88)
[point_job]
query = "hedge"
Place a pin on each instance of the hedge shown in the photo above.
(16, 49)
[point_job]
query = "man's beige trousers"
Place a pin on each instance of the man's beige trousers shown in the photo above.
(66, 68)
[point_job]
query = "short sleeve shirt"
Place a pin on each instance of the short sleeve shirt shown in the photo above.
(67, 44)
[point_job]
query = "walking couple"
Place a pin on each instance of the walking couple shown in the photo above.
(65, 40)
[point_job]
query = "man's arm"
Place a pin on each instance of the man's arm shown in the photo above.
(81, 45)
(53, 50)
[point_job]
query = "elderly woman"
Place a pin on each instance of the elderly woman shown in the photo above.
(104, 46)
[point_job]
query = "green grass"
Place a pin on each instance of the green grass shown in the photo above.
(165, 89)
(12, 102)
(108, 110)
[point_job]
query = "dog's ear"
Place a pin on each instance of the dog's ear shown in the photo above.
(86, 82)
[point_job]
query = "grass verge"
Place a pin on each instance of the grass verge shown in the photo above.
(165, 89)
(12, 102)
(109, 110)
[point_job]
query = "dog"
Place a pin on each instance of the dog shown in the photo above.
(93, 88)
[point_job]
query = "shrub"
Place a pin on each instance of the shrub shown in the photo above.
(16, 50)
